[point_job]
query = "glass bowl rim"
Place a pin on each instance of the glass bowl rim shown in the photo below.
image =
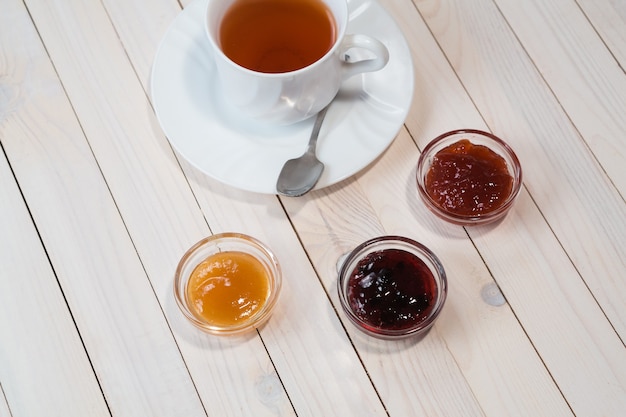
(270, 262)
(502, 148)
(399, 242)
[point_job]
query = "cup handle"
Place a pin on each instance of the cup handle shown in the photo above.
(367, 65)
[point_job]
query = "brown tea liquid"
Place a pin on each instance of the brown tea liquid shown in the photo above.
(274, 36)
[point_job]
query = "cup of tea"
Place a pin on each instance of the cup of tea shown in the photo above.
(282, 61)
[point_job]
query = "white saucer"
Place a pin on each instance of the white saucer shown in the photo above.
(361, 123)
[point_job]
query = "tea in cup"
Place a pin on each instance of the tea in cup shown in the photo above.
(282, 61)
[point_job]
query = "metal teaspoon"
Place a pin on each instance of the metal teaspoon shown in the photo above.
(300, 175)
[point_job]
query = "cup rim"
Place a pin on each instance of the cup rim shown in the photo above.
(341, 25)
(501, 148)
(415, 248)
(269, 261)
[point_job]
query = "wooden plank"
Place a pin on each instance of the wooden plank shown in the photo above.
(551, 148)
(121, 324)
(226, 210)
(582, 74)
(163, 216)
(404, 371)
(487, 342)
(4, 406)
(44, 368)
(480, 346)
(232, 376)
(566, 183)
(609, 20)
(141, 25)
(314, 359)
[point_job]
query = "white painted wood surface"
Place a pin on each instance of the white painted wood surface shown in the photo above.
(96, 209)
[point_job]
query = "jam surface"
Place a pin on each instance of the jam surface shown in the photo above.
(228, 288)
(468, 179)
(391, 289)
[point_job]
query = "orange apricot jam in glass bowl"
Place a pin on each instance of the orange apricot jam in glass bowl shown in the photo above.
(468, 177)
(227, 284)
(392, 287)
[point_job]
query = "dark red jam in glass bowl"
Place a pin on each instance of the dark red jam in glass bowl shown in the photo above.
(392, 287)
(468, 177)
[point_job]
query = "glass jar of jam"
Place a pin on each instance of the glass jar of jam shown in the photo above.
(227, 283)
(468, 177)
(392, 287)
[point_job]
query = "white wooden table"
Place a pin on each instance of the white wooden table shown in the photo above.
(96, 210)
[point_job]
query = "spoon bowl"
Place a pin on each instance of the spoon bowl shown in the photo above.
(299, 175)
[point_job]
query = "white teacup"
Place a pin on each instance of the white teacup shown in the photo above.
(288, 97)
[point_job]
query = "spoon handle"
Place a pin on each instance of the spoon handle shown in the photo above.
(316, 129)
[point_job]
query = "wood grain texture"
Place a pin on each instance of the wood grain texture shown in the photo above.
(143, 207)
(160, 214)
(552, 153)
(304, 338)
(591, 87)
(44, 368)
(609, 20)
(96, 209)
(4, 406)
(467, 347)
(129, 343)
(565, 182)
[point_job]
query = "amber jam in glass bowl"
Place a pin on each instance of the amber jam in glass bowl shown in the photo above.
(468, 177)
(227, 283)
(392, 287)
